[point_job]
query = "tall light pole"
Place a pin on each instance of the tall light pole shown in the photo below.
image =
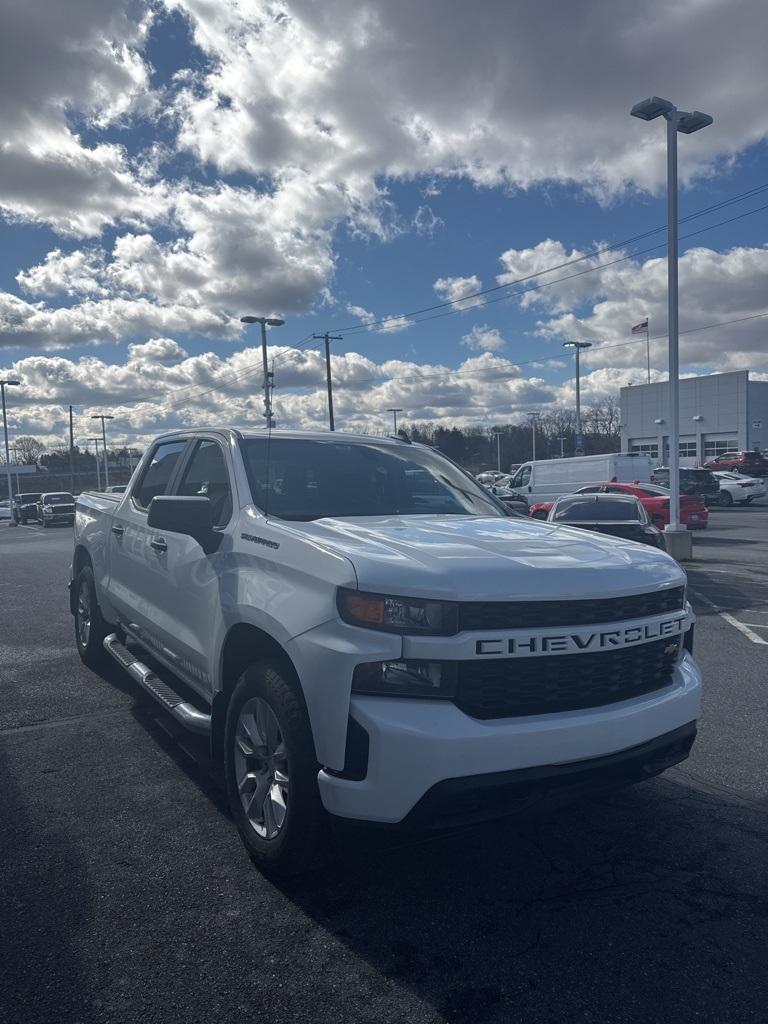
(272, 321)
(497, 432)
(578, 346)
(98, 471)
(687, 123)
(394, 412)
(328, 338)
(103, 418)
(533, 417)
(7, 383)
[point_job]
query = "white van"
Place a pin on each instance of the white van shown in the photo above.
(547, 480)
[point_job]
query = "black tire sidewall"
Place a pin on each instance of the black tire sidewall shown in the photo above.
(93, 653)
(293, 849)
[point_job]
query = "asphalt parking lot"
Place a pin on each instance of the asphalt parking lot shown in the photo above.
(126, 894)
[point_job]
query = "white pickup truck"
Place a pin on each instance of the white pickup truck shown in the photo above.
(362, 630)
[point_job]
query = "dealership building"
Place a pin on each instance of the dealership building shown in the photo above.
(718, 413)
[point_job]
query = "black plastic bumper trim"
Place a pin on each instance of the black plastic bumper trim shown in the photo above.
(478, 797)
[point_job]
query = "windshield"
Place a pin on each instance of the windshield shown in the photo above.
(313, 479)
(59, 499)
(592, 510)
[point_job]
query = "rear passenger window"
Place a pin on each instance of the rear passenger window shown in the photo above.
(206, 477)
(155, 478)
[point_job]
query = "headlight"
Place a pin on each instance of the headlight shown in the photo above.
(433, 679)
(405, 615)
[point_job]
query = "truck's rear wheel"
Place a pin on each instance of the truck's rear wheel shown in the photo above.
(90, 627)
(271, 772)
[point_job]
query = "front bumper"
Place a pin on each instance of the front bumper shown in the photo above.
(415, 745)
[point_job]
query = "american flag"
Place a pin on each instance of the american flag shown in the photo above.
(639, 328)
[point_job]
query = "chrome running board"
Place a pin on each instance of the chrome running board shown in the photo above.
(184, 712)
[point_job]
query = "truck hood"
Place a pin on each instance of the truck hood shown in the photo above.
(473, 558)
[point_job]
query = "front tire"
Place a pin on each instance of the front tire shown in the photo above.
(90, 627)
(271, 772)
(726, 499)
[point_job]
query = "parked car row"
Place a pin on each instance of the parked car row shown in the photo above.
(47, 508)
(534, 487)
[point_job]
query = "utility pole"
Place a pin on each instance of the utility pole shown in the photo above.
(328, 338)
(71, 454)
(103, 418)
(394, 416)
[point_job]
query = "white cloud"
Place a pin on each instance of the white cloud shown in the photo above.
(602, 306)
(453, 289)
(484, 339)
(426, 221)
(333, 88)
(159, 387)
(390, 323)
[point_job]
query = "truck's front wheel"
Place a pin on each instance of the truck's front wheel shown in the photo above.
(271, 772)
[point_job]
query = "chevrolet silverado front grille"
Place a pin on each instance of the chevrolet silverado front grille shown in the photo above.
(512, 687)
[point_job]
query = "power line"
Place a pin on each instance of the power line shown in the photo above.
(366, 325)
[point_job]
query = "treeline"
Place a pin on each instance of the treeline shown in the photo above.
(477, 448)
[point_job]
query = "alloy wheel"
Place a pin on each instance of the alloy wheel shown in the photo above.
(261, 768)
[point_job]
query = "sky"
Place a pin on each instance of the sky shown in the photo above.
(455, 189)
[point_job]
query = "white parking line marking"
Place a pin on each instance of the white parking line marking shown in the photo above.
(742, 628)
(756, 625)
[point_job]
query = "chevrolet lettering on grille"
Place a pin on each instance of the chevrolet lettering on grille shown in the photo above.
(587, 640)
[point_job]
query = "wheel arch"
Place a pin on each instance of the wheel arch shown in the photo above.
(243, 645)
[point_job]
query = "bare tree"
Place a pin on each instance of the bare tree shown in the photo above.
(29, 450)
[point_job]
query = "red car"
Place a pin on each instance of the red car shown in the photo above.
(748, 463)
(693, 512)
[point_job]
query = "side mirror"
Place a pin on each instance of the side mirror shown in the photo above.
(177, 513)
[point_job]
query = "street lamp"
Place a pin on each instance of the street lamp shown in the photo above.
(272, 321)
(687, 123)
(104, 442)
(497, 431)
(394, 416)
(98, 471)
(7, 383)
(578, 346)
(533, 416)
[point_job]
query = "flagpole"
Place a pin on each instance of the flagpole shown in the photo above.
(648, 346)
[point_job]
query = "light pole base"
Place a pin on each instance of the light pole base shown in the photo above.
(679, 544)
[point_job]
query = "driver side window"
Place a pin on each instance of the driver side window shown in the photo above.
(206, 476)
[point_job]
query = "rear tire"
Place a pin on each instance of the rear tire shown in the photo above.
(90, 627)
(271, 771)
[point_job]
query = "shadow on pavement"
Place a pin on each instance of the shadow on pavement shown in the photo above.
(651, 905)
(45, 898)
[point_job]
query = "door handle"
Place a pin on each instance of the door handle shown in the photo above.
(158, 544)
(118, 531)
